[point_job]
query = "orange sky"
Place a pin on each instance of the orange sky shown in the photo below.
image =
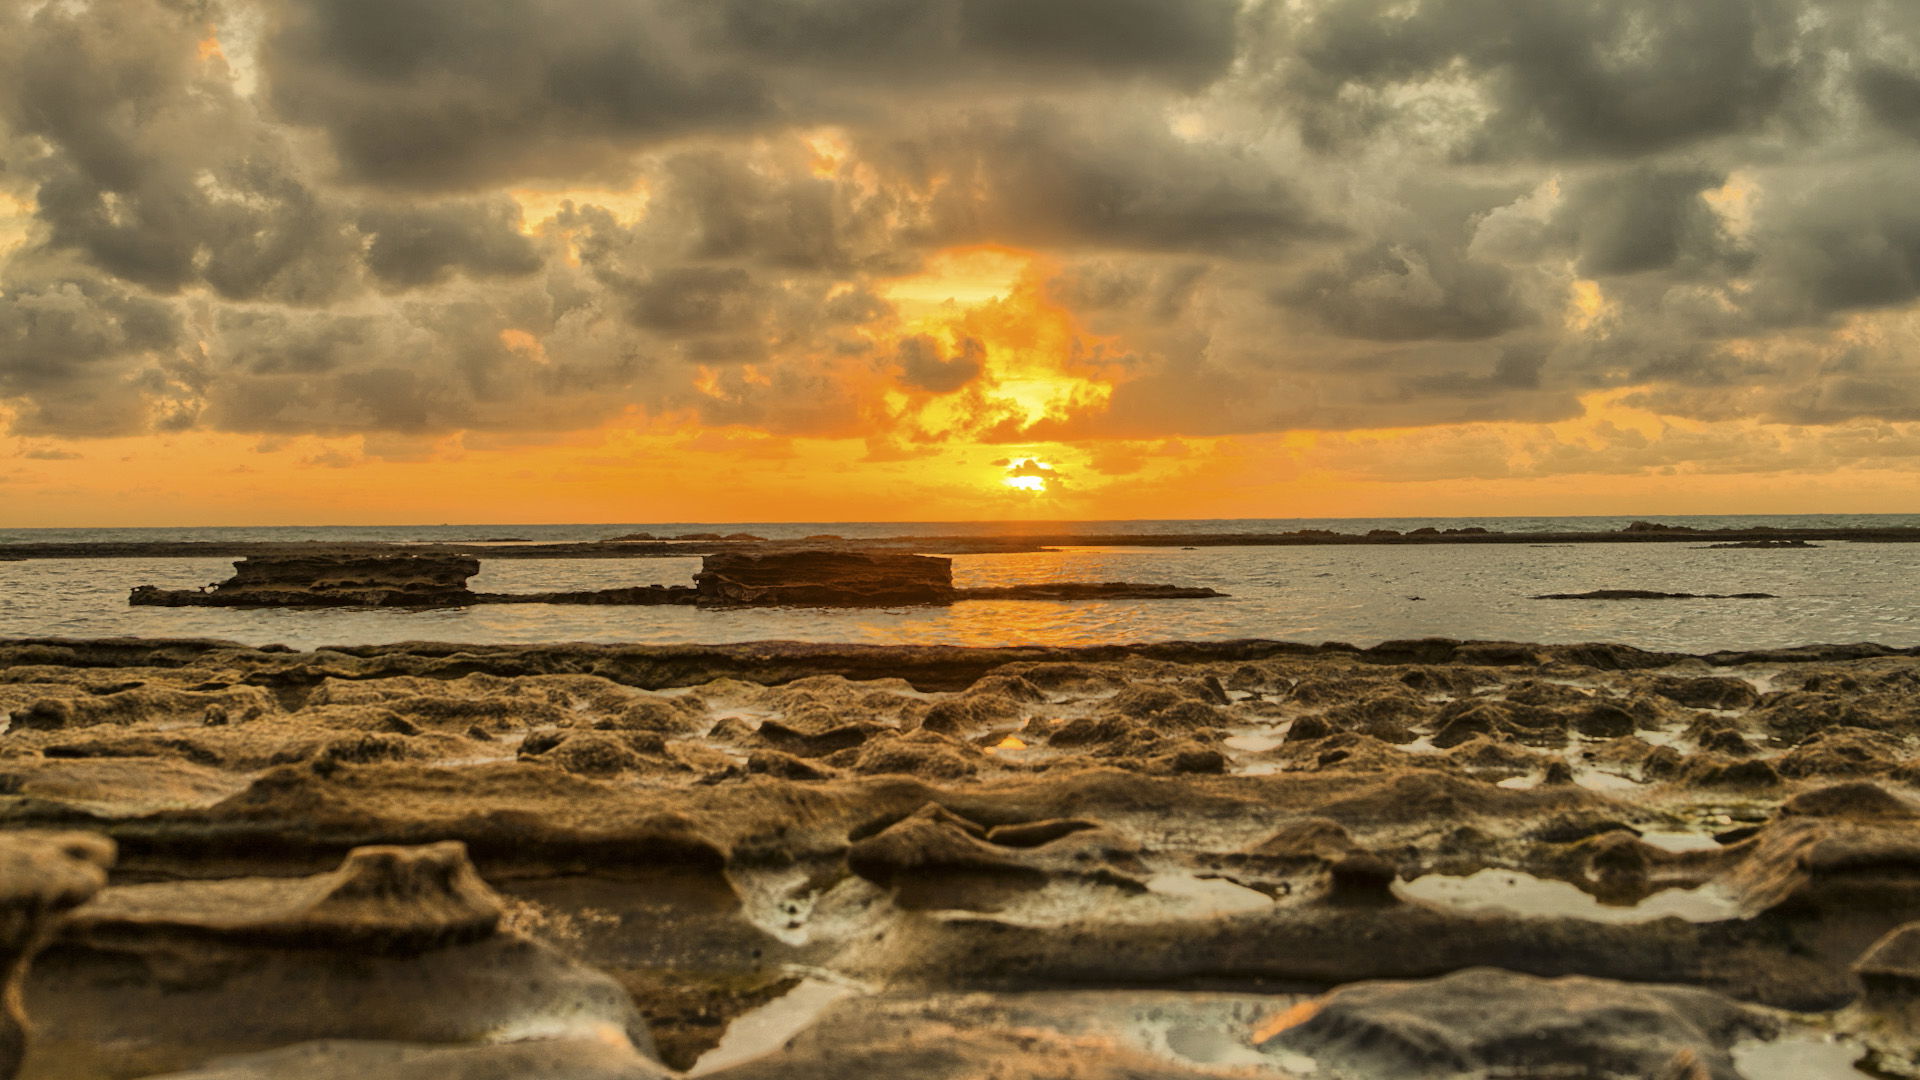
(954, 456)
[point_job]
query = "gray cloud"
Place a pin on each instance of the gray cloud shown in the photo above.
(923, 368)
(1557, 77)
(1328, 214)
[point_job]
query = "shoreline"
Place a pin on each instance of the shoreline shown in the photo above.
(942, 545)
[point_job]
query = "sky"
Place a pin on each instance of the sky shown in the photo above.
(391, 261)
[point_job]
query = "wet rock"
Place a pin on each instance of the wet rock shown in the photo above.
(1709, 770)
(923, 754)
(975, 710)
(1188, 757)
(1309, 728)
(141, 705)
(398, 944)
(816, 743)
(1843, 752)
(1487, 1022)
(1360, 879)
(1704, 692)
(42, 875)
(1313, 838)
(787, 767)
(1604, 720)
(383, 900)
(1794, 716)
(1854, 800)
(1889, 971)
(330, 581)
(934, 858)
(822, 577)
(601, 753)
(677, 716)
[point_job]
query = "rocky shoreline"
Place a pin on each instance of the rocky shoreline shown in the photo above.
(1428, 858)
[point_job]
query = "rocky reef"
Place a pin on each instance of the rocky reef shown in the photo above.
(1428, 858)
(329, 581)
(812, 577)
(825, 577)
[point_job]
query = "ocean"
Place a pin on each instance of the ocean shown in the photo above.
(1838, 592)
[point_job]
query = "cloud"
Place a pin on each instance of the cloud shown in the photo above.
(411, 222)
(923, 368)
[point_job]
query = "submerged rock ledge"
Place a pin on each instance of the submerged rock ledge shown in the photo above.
(1429, 858)
(806, 577)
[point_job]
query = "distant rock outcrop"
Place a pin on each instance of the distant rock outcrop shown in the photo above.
(330, 581)
(825, 578)
(811, 577)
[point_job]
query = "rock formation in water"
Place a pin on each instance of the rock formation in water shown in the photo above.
(330, 581)
(815, 577)
(823, 577)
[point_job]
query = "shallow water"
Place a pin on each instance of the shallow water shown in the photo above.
(1840, 592)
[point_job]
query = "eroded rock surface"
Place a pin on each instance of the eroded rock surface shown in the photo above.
(1115, 861)
(42, 875)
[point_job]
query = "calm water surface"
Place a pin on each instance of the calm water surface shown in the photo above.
(1840, 592)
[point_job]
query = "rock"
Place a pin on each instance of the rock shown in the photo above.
(825, 578)
(1704, 692)
(936, 859)
(1487, 1022)
(330, 581)
(401, 944)
(42, 875)
(1889, 971)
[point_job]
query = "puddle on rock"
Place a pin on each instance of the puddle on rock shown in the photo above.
(1515, 893)
(766, 1029)
(1798, 1057)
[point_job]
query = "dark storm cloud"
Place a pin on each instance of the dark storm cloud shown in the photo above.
(1318, 213)
(1649, 219)
(411, 246)
(66, 349)
(1580, 77)
(444, 94)
(923, 368)
(449, 94)
(152, 168)
(1048, 177)
(1185, 42)
(697, 299)
(1411, 292)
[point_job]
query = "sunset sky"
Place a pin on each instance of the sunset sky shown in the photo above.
(389, 261)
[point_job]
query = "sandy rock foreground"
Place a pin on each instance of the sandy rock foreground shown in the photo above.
(1250, 859)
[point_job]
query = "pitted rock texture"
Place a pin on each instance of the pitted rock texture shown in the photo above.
(1113, 861)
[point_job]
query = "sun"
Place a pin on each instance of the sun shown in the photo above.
(1026, 483)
